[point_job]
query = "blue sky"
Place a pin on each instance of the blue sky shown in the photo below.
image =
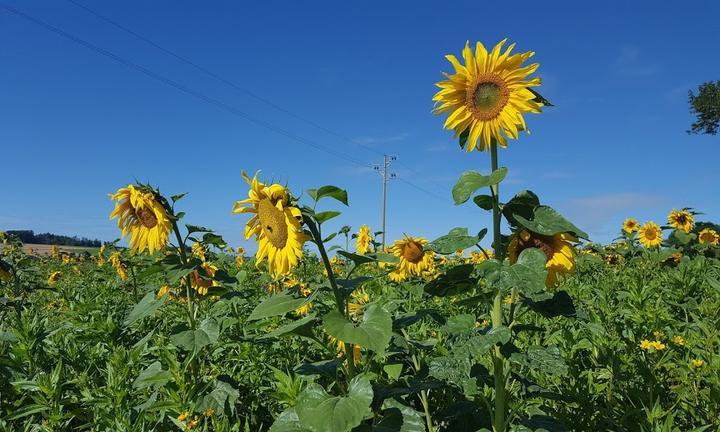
(75, 125)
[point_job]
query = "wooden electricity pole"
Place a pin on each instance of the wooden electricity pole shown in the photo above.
(383, 171)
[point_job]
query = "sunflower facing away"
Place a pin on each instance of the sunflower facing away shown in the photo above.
(558, 250)
(681, 219)
(631, 225)
(141, 215)
(364, 239)
(414, 259)
(650, 235)
(708, 236)
(275, 225)
(487, 96)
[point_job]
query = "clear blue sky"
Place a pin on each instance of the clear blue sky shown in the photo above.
(75, 125)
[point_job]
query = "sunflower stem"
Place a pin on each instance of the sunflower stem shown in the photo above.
(496, 313)
(317, 238)
(184, 260)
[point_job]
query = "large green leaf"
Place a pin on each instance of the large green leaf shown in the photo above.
(325, 216)
(373, 332)
(278, 304)
(152, 375)
(480, 344)
(547, 360)
(301, 327)
(326, 368)
(470, 181)
(457, 238)
(356, 258)
(320, 412)
(288, 421)
(560, 304)
(399, 418)
(455, 370)
(455, 280)
(193, 340)
(458, 324)
(528, 274)
(145, 307)
(547, 221)
(223, 393)
(329, 191)
(522, 204)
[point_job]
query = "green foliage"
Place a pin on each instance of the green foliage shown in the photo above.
(705, 105)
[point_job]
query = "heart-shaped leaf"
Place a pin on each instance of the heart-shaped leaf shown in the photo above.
(373, 332)
(470, 181)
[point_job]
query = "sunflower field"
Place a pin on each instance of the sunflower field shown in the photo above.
(524, 325)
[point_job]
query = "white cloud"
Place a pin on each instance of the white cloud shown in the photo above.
(630, 63)
(593, 213)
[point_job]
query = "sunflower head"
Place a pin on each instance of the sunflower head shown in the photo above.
(681, 219)
(275, 224)
(650, 235)
(141, 214)
(558, 250)
(363, 241)
(630, 225)
(487, 96)
(709, 236)
(360, 298)
(414, 259)
(54, 278)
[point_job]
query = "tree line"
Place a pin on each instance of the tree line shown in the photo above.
(28, 236)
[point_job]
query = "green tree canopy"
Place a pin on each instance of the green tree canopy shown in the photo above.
(706, 106)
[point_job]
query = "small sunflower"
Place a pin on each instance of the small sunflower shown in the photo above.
(631, 225)
(199, 250)
(54, 278)
(558, 250)
(342, 350)
(681, 219)
(360, 298)
(487, 96)
(119, 266)
(650, 235)
(414, 259)
(477, 257)
(202, 283)
(363, 241)
(275, 225)
(709, 236)
(240, 258)
(54, 251)
(142, 215)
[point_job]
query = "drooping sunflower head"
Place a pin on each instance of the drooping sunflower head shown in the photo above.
(681, 219)
(275, 225)
(414, 259)
(558, 250)
(709, 236)
(630, 225)
(650, 235)
(141, 214)
(363, 241)
(54, 278)
(487, 96)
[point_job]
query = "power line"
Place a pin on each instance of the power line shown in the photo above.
(208, 99)
(237, 87)
(183, 88)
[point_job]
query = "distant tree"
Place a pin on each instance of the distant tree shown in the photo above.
(706, 106)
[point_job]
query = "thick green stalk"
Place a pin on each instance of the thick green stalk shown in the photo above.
(184, 260)
(349, 348)
(496, 313)
(497, 236)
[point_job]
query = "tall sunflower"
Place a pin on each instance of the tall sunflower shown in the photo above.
(630, 225)
(650, 235)
(275, 225)
(708, 236)
(414, 259)
(363, 241)
(142, 215)
(558, 250)
(681, 219)
(487, 96)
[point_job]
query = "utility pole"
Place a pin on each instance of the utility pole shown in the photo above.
(383, 171)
